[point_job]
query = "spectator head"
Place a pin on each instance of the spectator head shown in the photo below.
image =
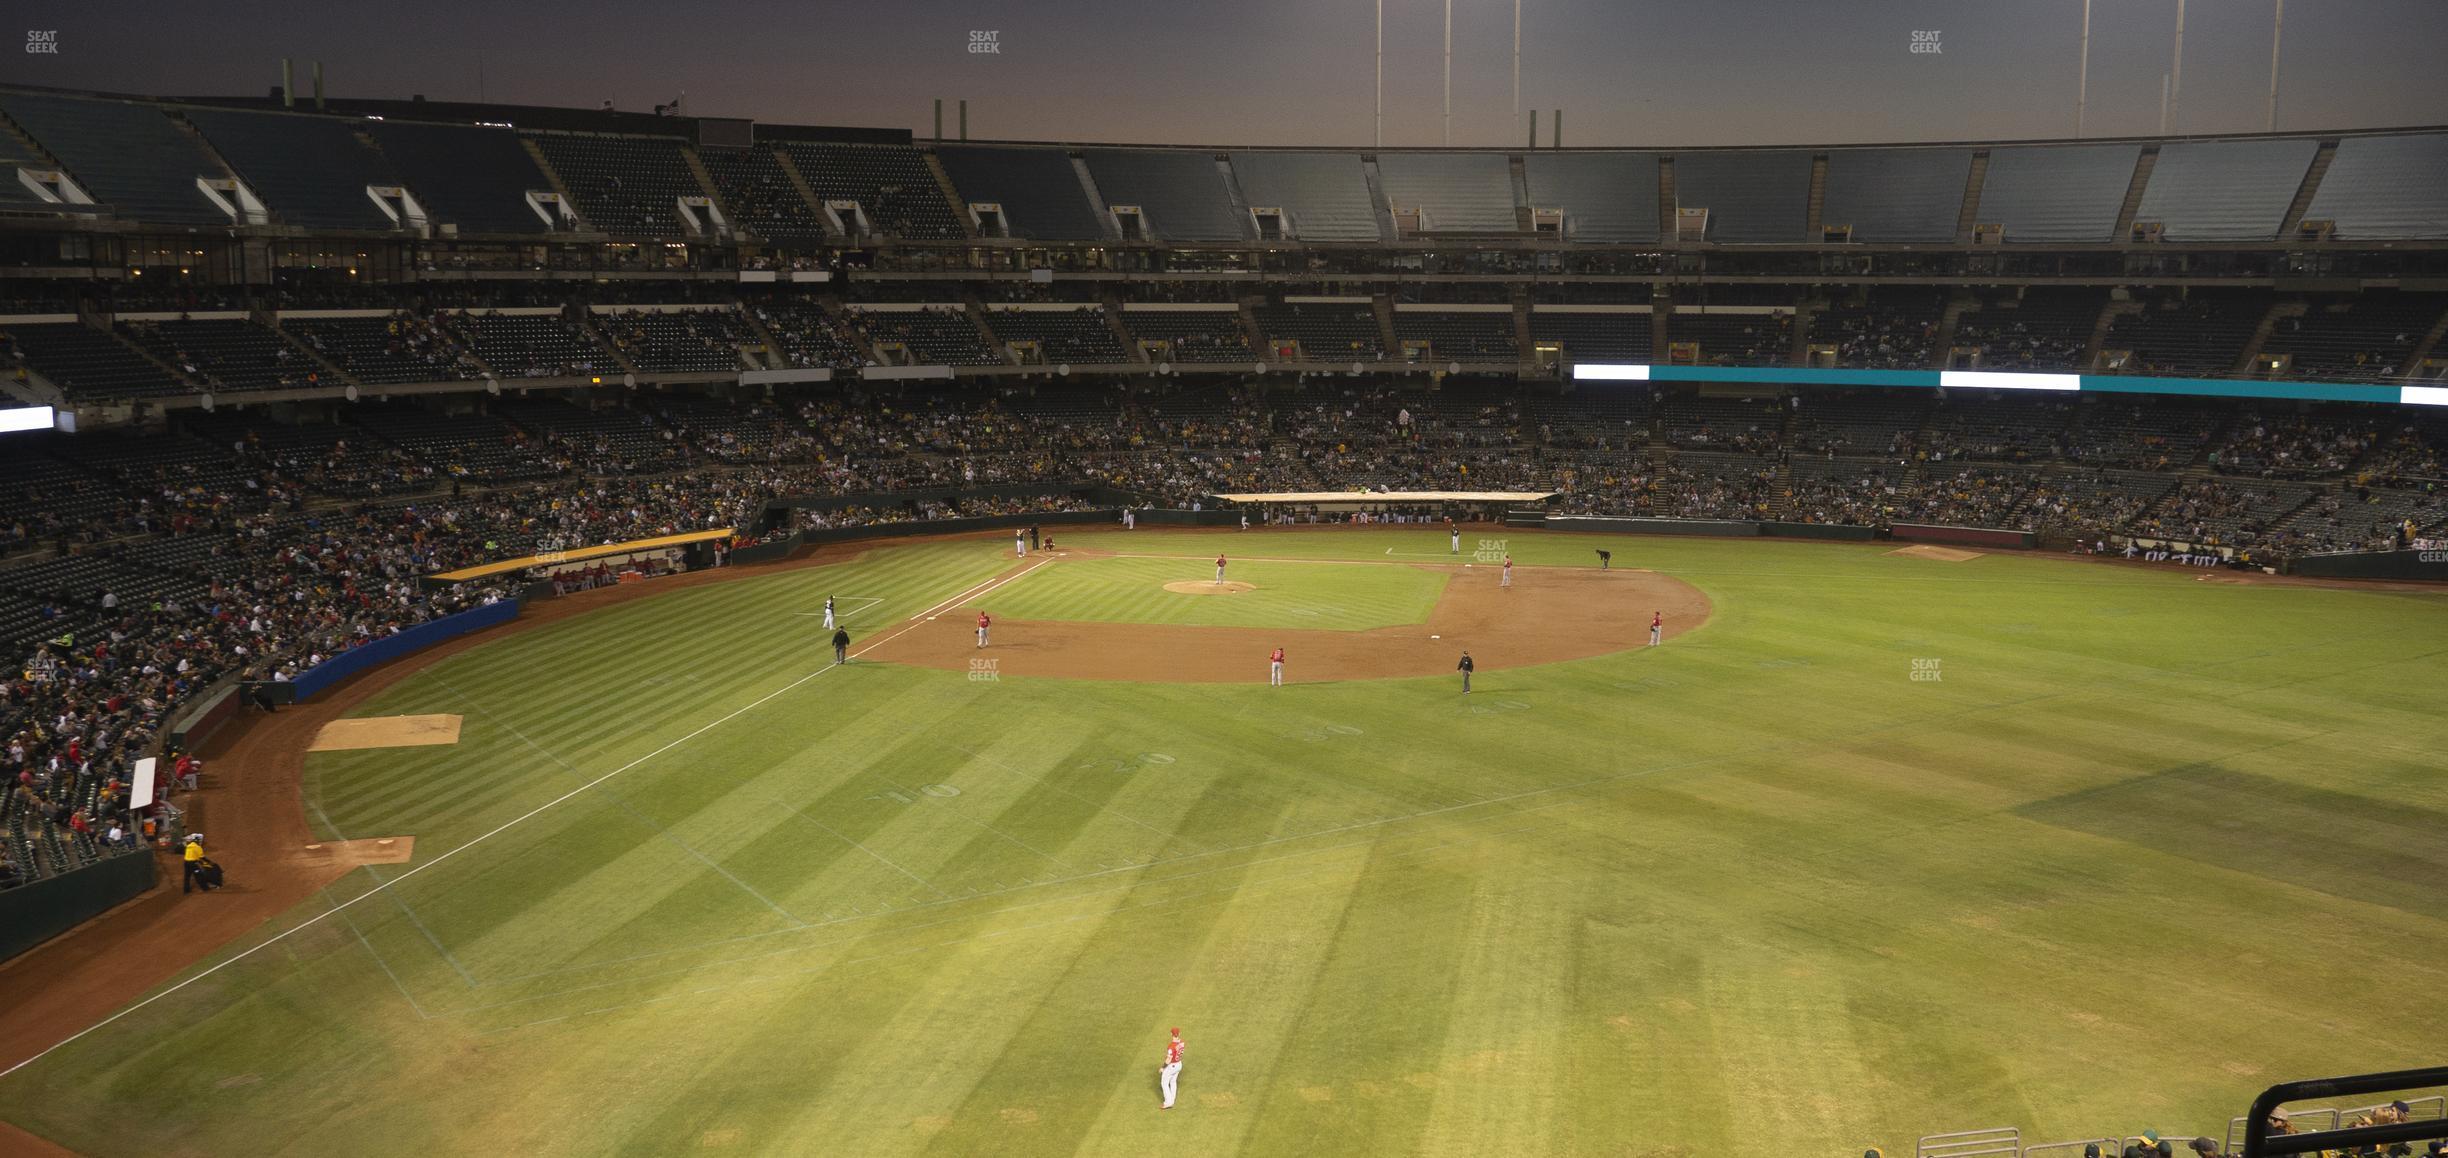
(2203, 1146)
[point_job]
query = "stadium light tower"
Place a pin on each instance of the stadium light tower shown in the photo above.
(2175, 101)
(2082, 74)
(2277, 30)
(1381, 74)
(1517, 58)
(1449, 72)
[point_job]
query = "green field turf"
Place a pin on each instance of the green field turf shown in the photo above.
(2146, 845)
(1326, 596)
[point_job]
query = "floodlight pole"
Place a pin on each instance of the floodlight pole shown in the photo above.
(1517, 56)
(2176, 72)
(1449, 72)
(2277, 31)
(2082, 75)
(1381, 74)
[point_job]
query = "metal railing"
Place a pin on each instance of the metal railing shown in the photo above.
(2260, 1142)
(1970, 1143)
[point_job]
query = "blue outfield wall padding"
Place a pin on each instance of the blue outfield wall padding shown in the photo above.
(315, 680)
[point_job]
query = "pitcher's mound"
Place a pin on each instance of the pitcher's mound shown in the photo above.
(1941, 554)
(1209, 587)
(386, 732)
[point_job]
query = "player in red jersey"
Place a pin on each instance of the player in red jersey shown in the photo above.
(1657, 627)
(1219, 568)
(1169, 1077)
(1275, 668)
(983, 623)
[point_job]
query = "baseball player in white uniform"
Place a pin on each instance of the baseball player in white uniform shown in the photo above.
(1020, 543)
(1169, 1077)
(1275, 668)
(1457, 540)
(1219, 569)
(828, 613)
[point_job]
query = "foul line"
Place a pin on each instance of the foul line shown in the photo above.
(969, 592)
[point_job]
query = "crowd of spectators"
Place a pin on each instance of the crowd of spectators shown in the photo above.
(251, 548)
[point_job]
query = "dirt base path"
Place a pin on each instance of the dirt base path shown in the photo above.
(1548, 615)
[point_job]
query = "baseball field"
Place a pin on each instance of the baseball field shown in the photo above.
(1874, 845)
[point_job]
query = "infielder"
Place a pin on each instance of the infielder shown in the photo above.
(1507, 581)
(1275, 668)
(829, 624)
(1606, 560)
(1657, 627)
(1020, 543)
(983, 624)
(1219, 568)
(1169, 1076)
(1456, 532)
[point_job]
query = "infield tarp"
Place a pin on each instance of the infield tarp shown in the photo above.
(316, 679)
(2430, 565)
(1972, 536)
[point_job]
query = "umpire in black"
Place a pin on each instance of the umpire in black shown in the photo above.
(1465, 668)
(841, 645)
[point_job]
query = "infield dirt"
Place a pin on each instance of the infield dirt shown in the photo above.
(1549, 615)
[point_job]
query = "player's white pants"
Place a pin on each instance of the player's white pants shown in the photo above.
(1219, 574)
(1457, 544)
(1275, 674)
(1653, 636)
(828, 621)
(981, 637)
(1170, 1079)
(1508, 578)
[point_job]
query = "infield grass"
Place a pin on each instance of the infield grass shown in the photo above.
(2145, 845)
(1332, 596)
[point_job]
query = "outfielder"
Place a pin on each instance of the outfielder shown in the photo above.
(1507, 581)
(1657, 627)
(1169, 1077)
(983, 624)
(1275, 668)
(829, 624)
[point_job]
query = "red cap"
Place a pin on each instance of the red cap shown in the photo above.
(1177, 1031)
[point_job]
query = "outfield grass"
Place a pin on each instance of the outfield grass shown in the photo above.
(2146, 845)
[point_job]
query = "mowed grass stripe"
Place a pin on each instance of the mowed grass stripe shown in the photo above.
(1923, 897)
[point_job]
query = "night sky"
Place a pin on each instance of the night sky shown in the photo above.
(1298, 72)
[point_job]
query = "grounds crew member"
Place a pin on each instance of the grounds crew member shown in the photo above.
(192, 864)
